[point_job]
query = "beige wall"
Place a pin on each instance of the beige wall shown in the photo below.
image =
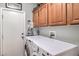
(28, 10)
(67, 33)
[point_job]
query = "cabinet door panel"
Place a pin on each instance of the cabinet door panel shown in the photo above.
(51, 14)
(73, 11)
(43, 15)
(57, 14)
(35, 18)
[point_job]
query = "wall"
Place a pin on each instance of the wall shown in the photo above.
(28, 10)
(68, 33)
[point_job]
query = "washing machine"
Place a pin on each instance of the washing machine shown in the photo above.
(28, 48)
(31, 49)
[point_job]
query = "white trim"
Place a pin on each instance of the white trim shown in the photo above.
(12, 10)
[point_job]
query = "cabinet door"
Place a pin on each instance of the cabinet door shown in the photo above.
(56, 14)
(35, 18)
(43, 15)
(73, 13)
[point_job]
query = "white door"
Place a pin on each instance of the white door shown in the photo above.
(13, 29)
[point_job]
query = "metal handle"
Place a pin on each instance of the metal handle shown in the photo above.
(22, 33)
(22, 37)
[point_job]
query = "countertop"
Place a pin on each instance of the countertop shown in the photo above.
(52, 46)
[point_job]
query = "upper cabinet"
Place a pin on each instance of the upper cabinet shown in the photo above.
(56, 13)
(51, 14)
(35, 18)
(43, 15)
(73, 13)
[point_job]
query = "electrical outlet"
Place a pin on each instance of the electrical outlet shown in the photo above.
(52, 34)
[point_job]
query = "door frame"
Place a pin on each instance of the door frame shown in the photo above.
(1, 10)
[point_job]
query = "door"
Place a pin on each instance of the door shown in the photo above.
(73, 13)
(13, 30)
(43, 15)
(57, 13)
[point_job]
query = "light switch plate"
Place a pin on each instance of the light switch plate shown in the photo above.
(52, 33)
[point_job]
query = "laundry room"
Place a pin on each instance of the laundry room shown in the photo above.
(39, 29)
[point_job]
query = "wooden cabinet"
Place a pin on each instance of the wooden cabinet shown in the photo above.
(40, 16)
(43, 15)
(73, 13)
(35, 18)
(56, 13)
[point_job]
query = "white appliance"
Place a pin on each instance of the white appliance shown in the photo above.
(12, 26)
(44, 46)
